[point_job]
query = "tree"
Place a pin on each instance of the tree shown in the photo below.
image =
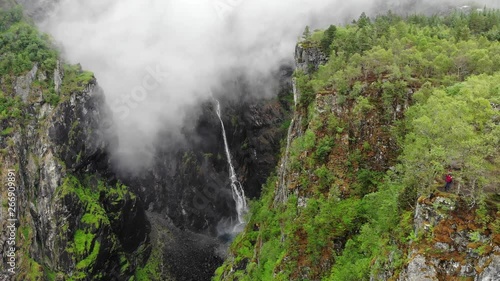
(306, 35)
(456, 127)
(363, 20)
(328, 37)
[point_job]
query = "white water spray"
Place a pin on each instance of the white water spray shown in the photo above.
(237, 189)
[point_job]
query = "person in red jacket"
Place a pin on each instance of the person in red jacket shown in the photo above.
(449, 181)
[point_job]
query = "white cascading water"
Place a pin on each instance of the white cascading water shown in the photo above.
(282, 191)
(237, 189)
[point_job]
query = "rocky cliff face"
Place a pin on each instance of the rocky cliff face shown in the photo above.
(452, 243)
(73, 219)
(308, 58)
(367, 135)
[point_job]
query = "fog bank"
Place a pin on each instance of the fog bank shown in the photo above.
(156, 59)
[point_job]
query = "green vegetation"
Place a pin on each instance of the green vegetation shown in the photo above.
(84, 247)
(75, 79)
(35, 270)
(91, 193)
(26, 232)
(454, 126)
(83, 241)
(152, 269)
(23, 47)
(49, 274)
(95, 213)
(90, 259)
(428, 88)
(268, 221)
(28, 61)
(10, 107)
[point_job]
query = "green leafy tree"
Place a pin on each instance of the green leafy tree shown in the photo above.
(454, 127)
(328, 37)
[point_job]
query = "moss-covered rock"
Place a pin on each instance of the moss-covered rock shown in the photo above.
(75, 222)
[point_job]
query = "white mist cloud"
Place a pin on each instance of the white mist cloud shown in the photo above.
(156, 58)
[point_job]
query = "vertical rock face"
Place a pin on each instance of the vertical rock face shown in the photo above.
(74, 220)
(189, 180)
(371, 131)
(492, 271)
(452, 243)
(418, 270)
(23, 83)
(308, 59)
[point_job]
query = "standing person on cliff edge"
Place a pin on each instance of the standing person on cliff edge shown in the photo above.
(449, 181)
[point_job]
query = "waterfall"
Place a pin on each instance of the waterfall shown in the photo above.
(295, 92)
(281, 194)
(236, 188)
